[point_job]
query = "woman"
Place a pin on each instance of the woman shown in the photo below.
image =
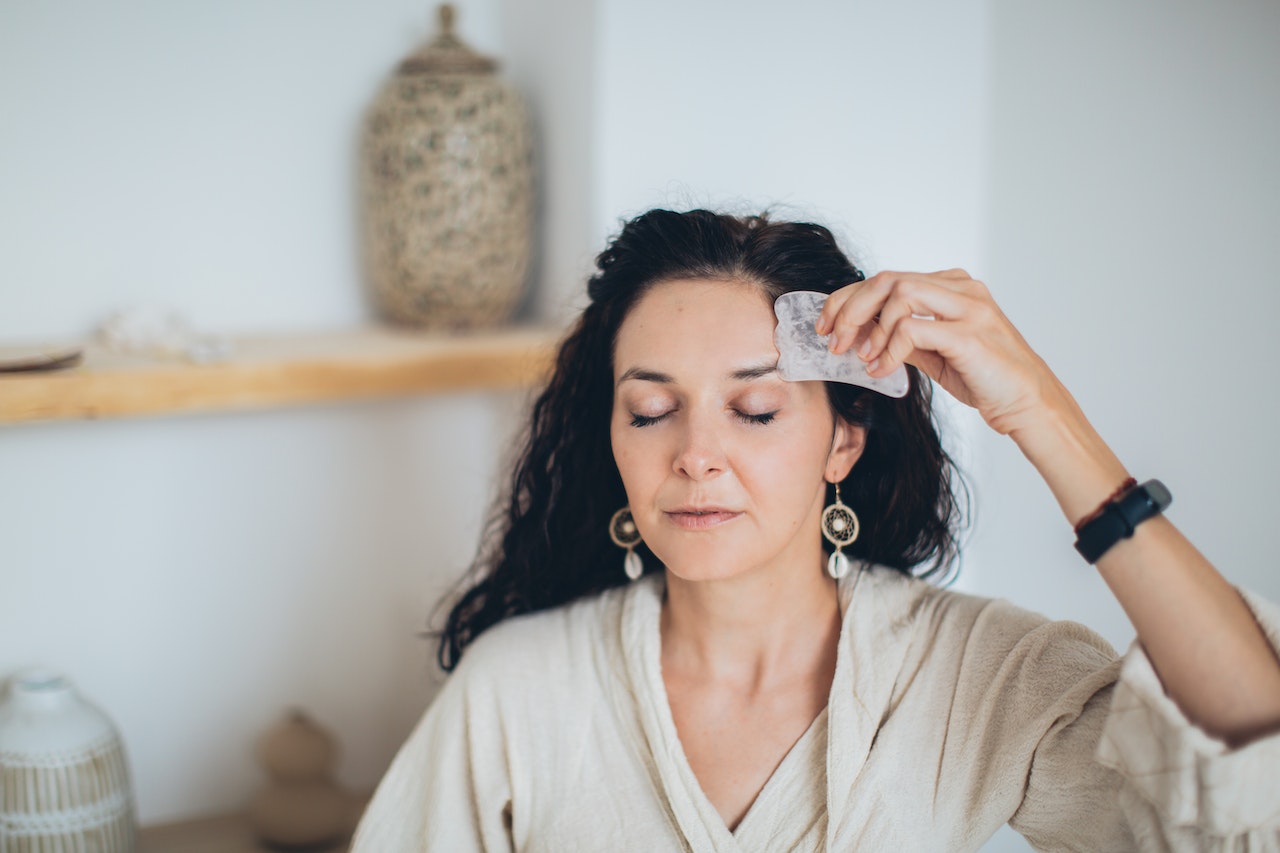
(736, 696)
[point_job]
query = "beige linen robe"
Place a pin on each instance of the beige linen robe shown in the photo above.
(949, 716)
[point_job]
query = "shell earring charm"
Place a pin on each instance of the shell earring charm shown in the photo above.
(625, 534)
(840, 527)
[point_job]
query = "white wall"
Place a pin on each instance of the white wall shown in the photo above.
(1109, 169)
(550, 52)
(198, 575)
(196, 155)
(1135, 199)
(852, 113)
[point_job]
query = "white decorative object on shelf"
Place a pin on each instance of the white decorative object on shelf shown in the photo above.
(64, 781)
(160, 333)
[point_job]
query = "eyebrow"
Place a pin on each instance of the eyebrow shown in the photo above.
(755, 371)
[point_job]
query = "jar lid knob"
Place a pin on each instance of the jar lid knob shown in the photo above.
(446, 53)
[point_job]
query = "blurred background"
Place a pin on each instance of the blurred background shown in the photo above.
(1111, 170)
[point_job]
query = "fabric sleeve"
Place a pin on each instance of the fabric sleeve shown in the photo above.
(1062, 688)
(1184, 790)
(447, 788)
(1121, 768)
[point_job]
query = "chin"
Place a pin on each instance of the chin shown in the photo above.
(693, 566)
(704, 574)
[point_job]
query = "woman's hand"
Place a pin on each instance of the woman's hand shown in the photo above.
(947, 325)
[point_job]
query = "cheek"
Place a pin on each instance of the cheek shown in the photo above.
(787, 467)
(633, 454)
(622, 438)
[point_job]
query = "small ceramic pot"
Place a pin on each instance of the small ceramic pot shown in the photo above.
(64, 780)
(301, 805)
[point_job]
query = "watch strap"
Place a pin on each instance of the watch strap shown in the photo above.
(1119, 517)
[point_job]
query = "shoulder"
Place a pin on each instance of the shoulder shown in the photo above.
(1005, 675)
(532, 646)
(984, 639)
(966, 617)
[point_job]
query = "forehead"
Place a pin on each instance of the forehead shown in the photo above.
(697, 321)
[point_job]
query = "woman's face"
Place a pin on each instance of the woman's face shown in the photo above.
(724, 463)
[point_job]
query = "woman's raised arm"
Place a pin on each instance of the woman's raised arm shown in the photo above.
(1210, 653)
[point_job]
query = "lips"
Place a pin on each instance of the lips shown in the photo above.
(700, 518)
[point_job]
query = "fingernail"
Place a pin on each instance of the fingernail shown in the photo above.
(833, 343)
(873, 366)
(865, 349)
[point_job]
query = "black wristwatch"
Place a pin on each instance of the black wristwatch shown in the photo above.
(1117, 518)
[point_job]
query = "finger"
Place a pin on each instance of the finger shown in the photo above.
(922, 297)
(925, 343)
(965, 283)
(930, 363)
(831, 307)
(932, 294)
(859, 305)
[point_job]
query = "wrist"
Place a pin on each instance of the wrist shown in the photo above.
(1077, 465)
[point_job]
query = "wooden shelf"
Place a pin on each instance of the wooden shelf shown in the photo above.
(232, 834)
(281, 370)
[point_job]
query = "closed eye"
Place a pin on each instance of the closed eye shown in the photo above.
(760, 419)
(638, 420)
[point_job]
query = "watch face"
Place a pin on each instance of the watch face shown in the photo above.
(1141, 502)
(1159, 495)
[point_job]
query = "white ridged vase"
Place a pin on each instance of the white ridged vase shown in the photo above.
(64, 781)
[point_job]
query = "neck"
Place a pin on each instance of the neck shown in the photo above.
(753, 630)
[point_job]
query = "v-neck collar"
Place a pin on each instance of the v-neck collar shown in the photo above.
(872, 645)
(795, 785)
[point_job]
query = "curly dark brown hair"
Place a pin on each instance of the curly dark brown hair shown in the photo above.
(548, 543)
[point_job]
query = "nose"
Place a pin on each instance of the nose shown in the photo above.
(701, 453)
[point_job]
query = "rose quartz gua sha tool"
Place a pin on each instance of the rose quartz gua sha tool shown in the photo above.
(804, 353)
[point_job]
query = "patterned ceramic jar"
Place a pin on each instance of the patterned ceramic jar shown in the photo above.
(447, 185)
(64, 783)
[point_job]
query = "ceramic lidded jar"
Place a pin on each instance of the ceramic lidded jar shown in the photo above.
(447, 185)
(64, 780)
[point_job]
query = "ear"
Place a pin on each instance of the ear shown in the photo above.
(846, 448)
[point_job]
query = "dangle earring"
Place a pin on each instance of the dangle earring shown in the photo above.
(840, 527)
(625, 534)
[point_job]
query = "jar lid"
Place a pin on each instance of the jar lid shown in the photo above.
(40, 689)
(446, 53)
